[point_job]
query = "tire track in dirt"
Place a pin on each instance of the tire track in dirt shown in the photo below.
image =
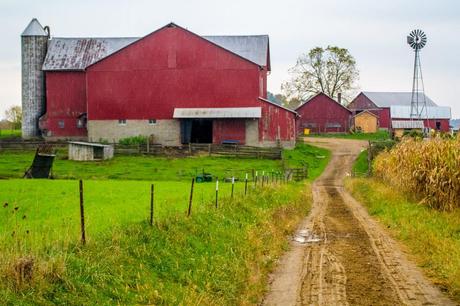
(341, 256)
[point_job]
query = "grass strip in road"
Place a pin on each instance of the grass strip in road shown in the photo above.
(380, 135)
(432, 236)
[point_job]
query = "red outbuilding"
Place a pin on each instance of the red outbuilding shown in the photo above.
(172, 84)
(322, 114)
(394, 106)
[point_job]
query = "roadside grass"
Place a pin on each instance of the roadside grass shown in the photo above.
(217, 256)
(305, 155)
(432, 236)
(9, 134)
(380, 135)
(13, 164)
(361, 165)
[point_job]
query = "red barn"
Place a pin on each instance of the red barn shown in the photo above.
(393, 106)
(322, 114)
(172, 84)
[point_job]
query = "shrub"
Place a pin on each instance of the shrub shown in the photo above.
(430, 169)
(134, 140)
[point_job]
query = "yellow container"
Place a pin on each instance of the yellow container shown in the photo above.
(306, 131)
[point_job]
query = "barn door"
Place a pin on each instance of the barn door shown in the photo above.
(185, 130)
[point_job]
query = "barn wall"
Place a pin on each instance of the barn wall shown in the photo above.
(431, 123)
(229, 129)
(167, 69)
(361, 102)
(276, 124)
(65, 101)
(320, 111)
(166, 132)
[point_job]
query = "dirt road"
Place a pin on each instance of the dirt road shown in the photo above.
(340, 256)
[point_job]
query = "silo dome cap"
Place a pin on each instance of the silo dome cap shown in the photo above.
(34, 29)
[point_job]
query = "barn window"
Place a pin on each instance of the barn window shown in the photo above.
(438, 125)
(310, 125)
(152, 121)
(333, 125)
(61, 124)
(121, 121)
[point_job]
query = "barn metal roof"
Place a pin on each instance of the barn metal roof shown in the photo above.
(432, 112)
(225, 112)
(251, 47)
(34, 29)
(407, 124)
(79, 53)
(387, 99)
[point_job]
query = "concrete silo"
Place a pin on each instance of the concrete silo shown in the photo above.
(34, 43)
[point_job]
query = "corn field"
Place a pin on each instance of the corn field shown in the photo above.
(430, 169)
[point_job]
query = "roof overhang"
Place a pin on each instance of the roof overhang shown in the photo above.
(224, 112)
(407, 124)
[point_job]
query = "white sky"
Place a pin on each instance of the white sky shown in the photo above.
(374, 32)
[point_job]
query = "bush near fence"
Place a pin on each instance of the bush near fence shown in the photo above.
(430, 169)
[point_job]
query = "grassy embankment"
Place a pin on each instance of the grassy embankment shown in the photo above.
(431, 235)
(217, 256)
(10, 134)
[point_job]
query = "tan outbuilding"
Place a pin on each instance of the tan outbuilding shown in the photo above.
(366, 122)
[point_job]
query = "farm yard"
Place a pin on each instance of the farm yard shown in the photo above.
(40, 225)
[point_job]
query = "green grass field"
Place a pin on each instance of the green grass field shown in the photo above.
(14, 164)
(432, 236)
(380, 135)
(10, 133)
(216, 256)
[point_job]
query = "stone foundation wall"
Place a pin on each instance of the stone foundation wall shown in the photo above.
(166, 132)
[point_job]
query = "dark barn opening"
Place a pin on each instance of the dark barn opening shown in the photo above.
(201, 131)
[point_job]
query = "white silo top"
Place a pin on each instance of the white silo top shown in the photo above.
(34, 29)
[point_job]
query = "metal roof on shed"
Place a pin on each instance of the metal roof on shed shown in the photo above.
(387, 99)
(432, 112)
(225, 112)
(88, 144)
(79, 53)
(407, 124)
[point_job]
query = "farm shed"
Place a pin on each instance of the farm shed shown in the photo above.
(401, 126)
(380, 103)
(366, 122)
(322, 114)
(89, 151)
(122, 87)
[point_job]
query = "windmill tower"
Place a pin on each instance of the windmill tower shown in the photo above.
(417, 40)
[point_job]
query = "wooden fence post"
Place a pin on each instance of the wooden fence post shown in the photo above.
(82, 215)
(152, 190)
(246, 185)
(233, 186)
(191, 198)
(217, 192)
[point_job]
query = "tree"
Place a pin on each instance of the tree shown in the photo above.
(291, 103)
(14, 115)
(330, 71)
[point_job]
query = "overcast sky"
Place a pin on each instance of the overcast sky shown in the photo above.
(374, 32)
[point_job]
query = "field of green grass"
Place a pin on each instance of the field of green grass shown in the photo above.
(10, 133)
(13, 164)
(380, 135)
(432, 236)
(216, 256)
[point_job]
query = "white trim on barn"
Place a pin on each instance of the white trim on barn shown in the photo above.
(224, 112)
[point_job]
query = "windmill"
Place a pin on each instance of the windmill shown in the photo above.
(417, 40)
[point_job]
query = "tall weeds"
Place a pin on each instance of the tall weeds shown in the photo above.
(430, 169)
